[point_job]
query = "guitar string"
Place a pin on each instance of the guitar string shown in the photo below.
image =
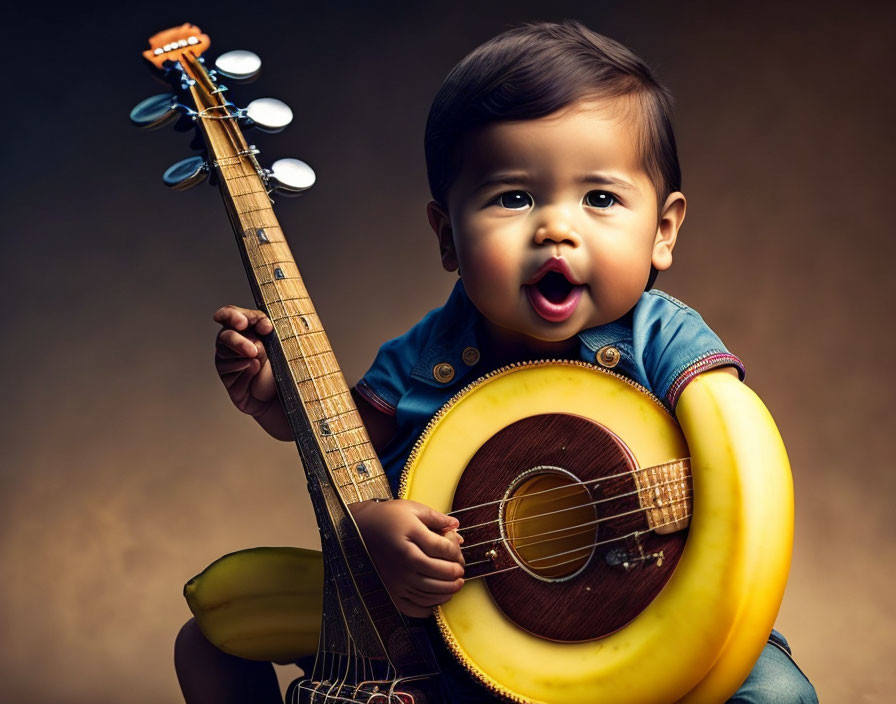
(518, 544)
(633, 534)
(567, 486)
(586, 524)
(338, 697)
(601, 519)
(614, 497)
(232, 137)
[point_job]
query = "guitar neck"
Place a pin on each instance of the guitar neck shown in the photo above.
(312, 387)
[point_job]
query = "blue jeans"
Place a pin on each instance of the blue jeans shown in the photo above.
(775, 679)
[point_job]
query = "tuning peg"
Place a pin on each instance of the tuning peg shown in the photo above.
(291, 176)
(268, 114)
(155, 111)
(239, 64)
(186, 173)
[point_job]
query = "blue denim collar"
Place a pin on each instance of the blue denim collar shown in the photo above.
(459, 330)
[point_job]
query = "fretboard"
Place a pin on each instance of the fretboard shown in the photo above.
(313, 371)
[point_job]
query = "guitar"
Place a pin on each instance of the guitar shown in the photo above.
(580, 585)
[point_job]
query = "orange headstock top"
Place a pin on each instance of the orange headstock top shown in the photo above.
(169, 44)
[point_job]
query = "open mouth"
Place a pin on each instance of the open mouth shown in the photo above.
(554, 287)
(553, 296)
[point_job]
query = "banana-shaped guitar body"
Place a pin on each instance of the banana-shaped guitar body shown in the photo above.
(697, 640)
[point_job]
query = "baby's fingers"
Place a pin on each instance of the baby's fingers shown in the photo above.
(242, 318)
(230, 344)
(439, 546)
(432, 587)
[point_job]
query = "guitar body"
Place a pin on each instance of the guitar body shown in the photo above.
(579, 600)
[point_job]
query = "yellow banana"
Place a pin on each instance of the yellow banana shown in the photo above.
(722, 418)
(260, 604)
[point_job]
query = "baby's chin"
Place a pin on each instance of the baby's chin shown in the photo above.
(539, 339)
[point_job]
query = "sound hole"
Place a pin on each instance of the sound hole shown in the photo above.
(550, 523)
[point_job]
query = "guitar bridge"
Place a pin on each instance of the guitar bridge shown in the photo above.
(626, 559)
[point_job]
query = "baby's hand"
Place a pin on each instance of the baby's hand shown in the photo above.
(243, 366)
(415, 550)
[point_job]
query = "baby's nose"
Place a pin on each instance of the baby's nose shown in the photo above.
(556, 229)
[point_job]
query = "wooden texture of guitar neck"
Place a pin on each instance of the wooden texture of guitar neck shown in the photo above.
(277, 284)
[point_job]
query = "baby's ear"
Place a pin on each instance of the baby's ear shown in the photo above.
(441, 225)
(671, 217)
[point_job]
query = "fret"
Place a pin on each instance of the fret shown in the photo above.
(269, 253)
(257, 239)
(328, 390)
(247, 186)
(318, 363)
(250, 202)
(313, 355)
(336, 426)
(317, 368)
(323, 378)
(249, 211)
(338, 393)
(269, 272)
(356, 479)
(234, 169)
(287, 309)
(262, 218)
(271, 292)
(289, 331)
(237, 182)
(287, 299)
(356, 438)
(337, 419)
(328, 407)
(307, 335)
(333, 427)
(366, 474)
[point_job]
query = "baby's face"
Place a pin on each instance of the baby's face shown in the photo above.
(554, 223)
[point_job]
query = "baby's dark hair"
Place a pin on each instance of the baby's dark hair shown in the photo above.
(534, 70)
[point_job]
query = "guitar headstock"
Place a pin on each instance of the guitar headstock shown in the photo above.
(170, 44)
(178, 53)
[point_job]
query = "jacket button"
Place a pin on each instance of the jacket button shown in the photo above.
(470, 356)
(608, 356)
(443, 372)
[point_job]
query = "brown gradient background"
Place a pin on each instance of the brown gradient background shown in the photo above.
(124, 468)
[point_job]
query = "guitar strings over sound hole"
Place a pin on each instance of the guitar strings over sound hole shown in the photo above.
(549, 520)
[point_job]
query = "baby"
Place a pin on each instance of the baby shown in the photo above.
(557, 198)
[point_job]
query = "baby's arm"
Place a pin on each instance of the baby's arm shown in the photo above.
(415, 548)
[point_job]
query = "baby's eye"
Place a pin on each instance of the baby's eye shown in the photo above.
(514, 200)
(599, 199)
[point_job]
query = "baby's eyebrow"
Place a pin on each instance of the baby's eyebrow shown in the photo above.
(522, 179)
(504, 179)
(604, 180)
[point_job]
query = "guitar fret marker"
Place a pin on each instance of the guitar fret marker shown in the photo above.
(262, 235)
(278, 273)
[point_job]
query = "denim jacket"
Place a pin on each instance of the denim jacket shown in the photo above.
(661, 343)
